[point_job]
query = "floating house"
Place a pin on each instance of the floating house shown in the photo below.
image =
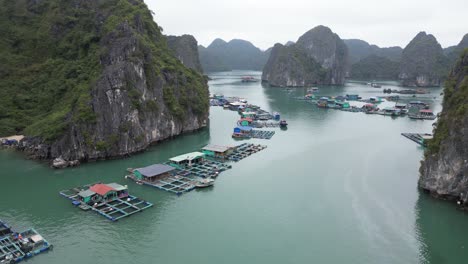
(375, 99)
(102, 193)
(109, 200)
(391, 111)
(417, 104)
(248, 114)
(340, 98)
(343, 105)
(245, 122)
(187, 160)
(153, 172)
(352, 97)
(216, 151)
(242, 132)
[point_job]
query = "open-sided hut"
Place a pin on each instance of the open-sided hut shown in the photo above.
(153, 172)
(188, 159)
(217, 151)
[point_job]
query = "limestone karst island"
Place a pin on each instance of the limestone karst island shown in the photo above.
(215, 131)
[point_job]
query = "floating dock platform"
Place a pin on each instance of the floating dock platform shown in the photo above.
(16, 247)
(113, 209)
(421, 139)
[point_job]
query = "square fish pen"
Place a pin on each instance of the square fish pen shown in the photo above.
(14, 249)
(119, 206)
(244, 150)
(175, 183)
(261, 134)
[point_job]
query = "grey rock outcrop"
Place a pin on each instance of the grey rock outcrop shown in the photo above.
(318, 57)
(444, 171)
(142, 95)
(423, 63)
(185, 48)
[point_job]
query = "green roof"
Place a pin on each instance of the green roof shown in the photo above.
(187, 156)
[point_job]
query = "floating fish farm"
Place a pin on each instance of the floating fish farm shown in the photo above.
(182, 173)
(109, 200)
(16, 247)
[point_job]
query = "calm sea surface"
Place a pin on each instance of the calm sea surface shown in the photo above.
(336, 187)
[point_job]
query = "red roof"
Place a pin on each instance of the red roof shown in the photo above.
(247, 119)
(101, 189)
(425, 111)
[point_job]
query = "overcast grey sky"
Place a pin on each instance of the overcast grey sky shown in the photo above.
(266, 22)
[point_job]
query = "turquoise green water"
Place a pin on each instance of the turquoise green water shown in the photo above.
(336, 187)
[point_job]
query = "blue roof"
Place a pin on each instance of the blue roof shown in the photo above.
(244, 128)
(154, 170)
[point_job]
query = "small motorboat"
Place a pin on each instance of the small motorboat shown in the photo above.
(283, 124)
(204, 183)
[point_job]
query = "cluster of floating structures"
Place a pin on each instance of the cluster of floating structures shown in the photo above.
(413, 109)
(18, 246)
(252, 117)
(178, 175)
(192, 170)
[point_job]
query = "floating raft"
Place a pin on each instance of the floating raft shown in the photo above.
(245, 150)
(114, 209)
(261, 134)
(421, 139)
(208, 168)
(14, 250)
(177, 184)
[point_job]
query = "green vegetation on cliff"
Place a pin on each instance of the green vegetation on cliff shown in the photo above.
(51, 54)
(455, 105)
(375, 67)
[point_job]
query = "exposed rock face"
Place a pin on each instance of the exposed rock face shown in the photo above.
(236, 54)
(423, 62)
(318, 57)
(444, 172)
(185, 48)
(142, 93)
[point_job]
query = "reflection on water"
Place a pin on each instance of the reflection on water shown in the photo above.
(336, 187)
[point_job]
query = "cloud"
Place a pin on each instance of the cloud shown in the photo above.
(266, 22)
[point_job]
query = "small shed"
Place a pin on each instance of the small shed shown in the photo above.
(248, 114)
(187, 159)
(86, 195)
(243, 129)
(245, 121)
(152, 172)
(217, 151)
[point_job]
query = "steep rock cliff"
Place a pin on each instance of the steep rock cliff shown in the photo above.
(93, 79)
(423, 62)
(318, 57)
(185, 48)
(444, 171)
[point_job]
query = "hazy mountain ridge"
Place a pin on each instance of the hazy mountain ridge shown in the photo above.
(236, 54)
